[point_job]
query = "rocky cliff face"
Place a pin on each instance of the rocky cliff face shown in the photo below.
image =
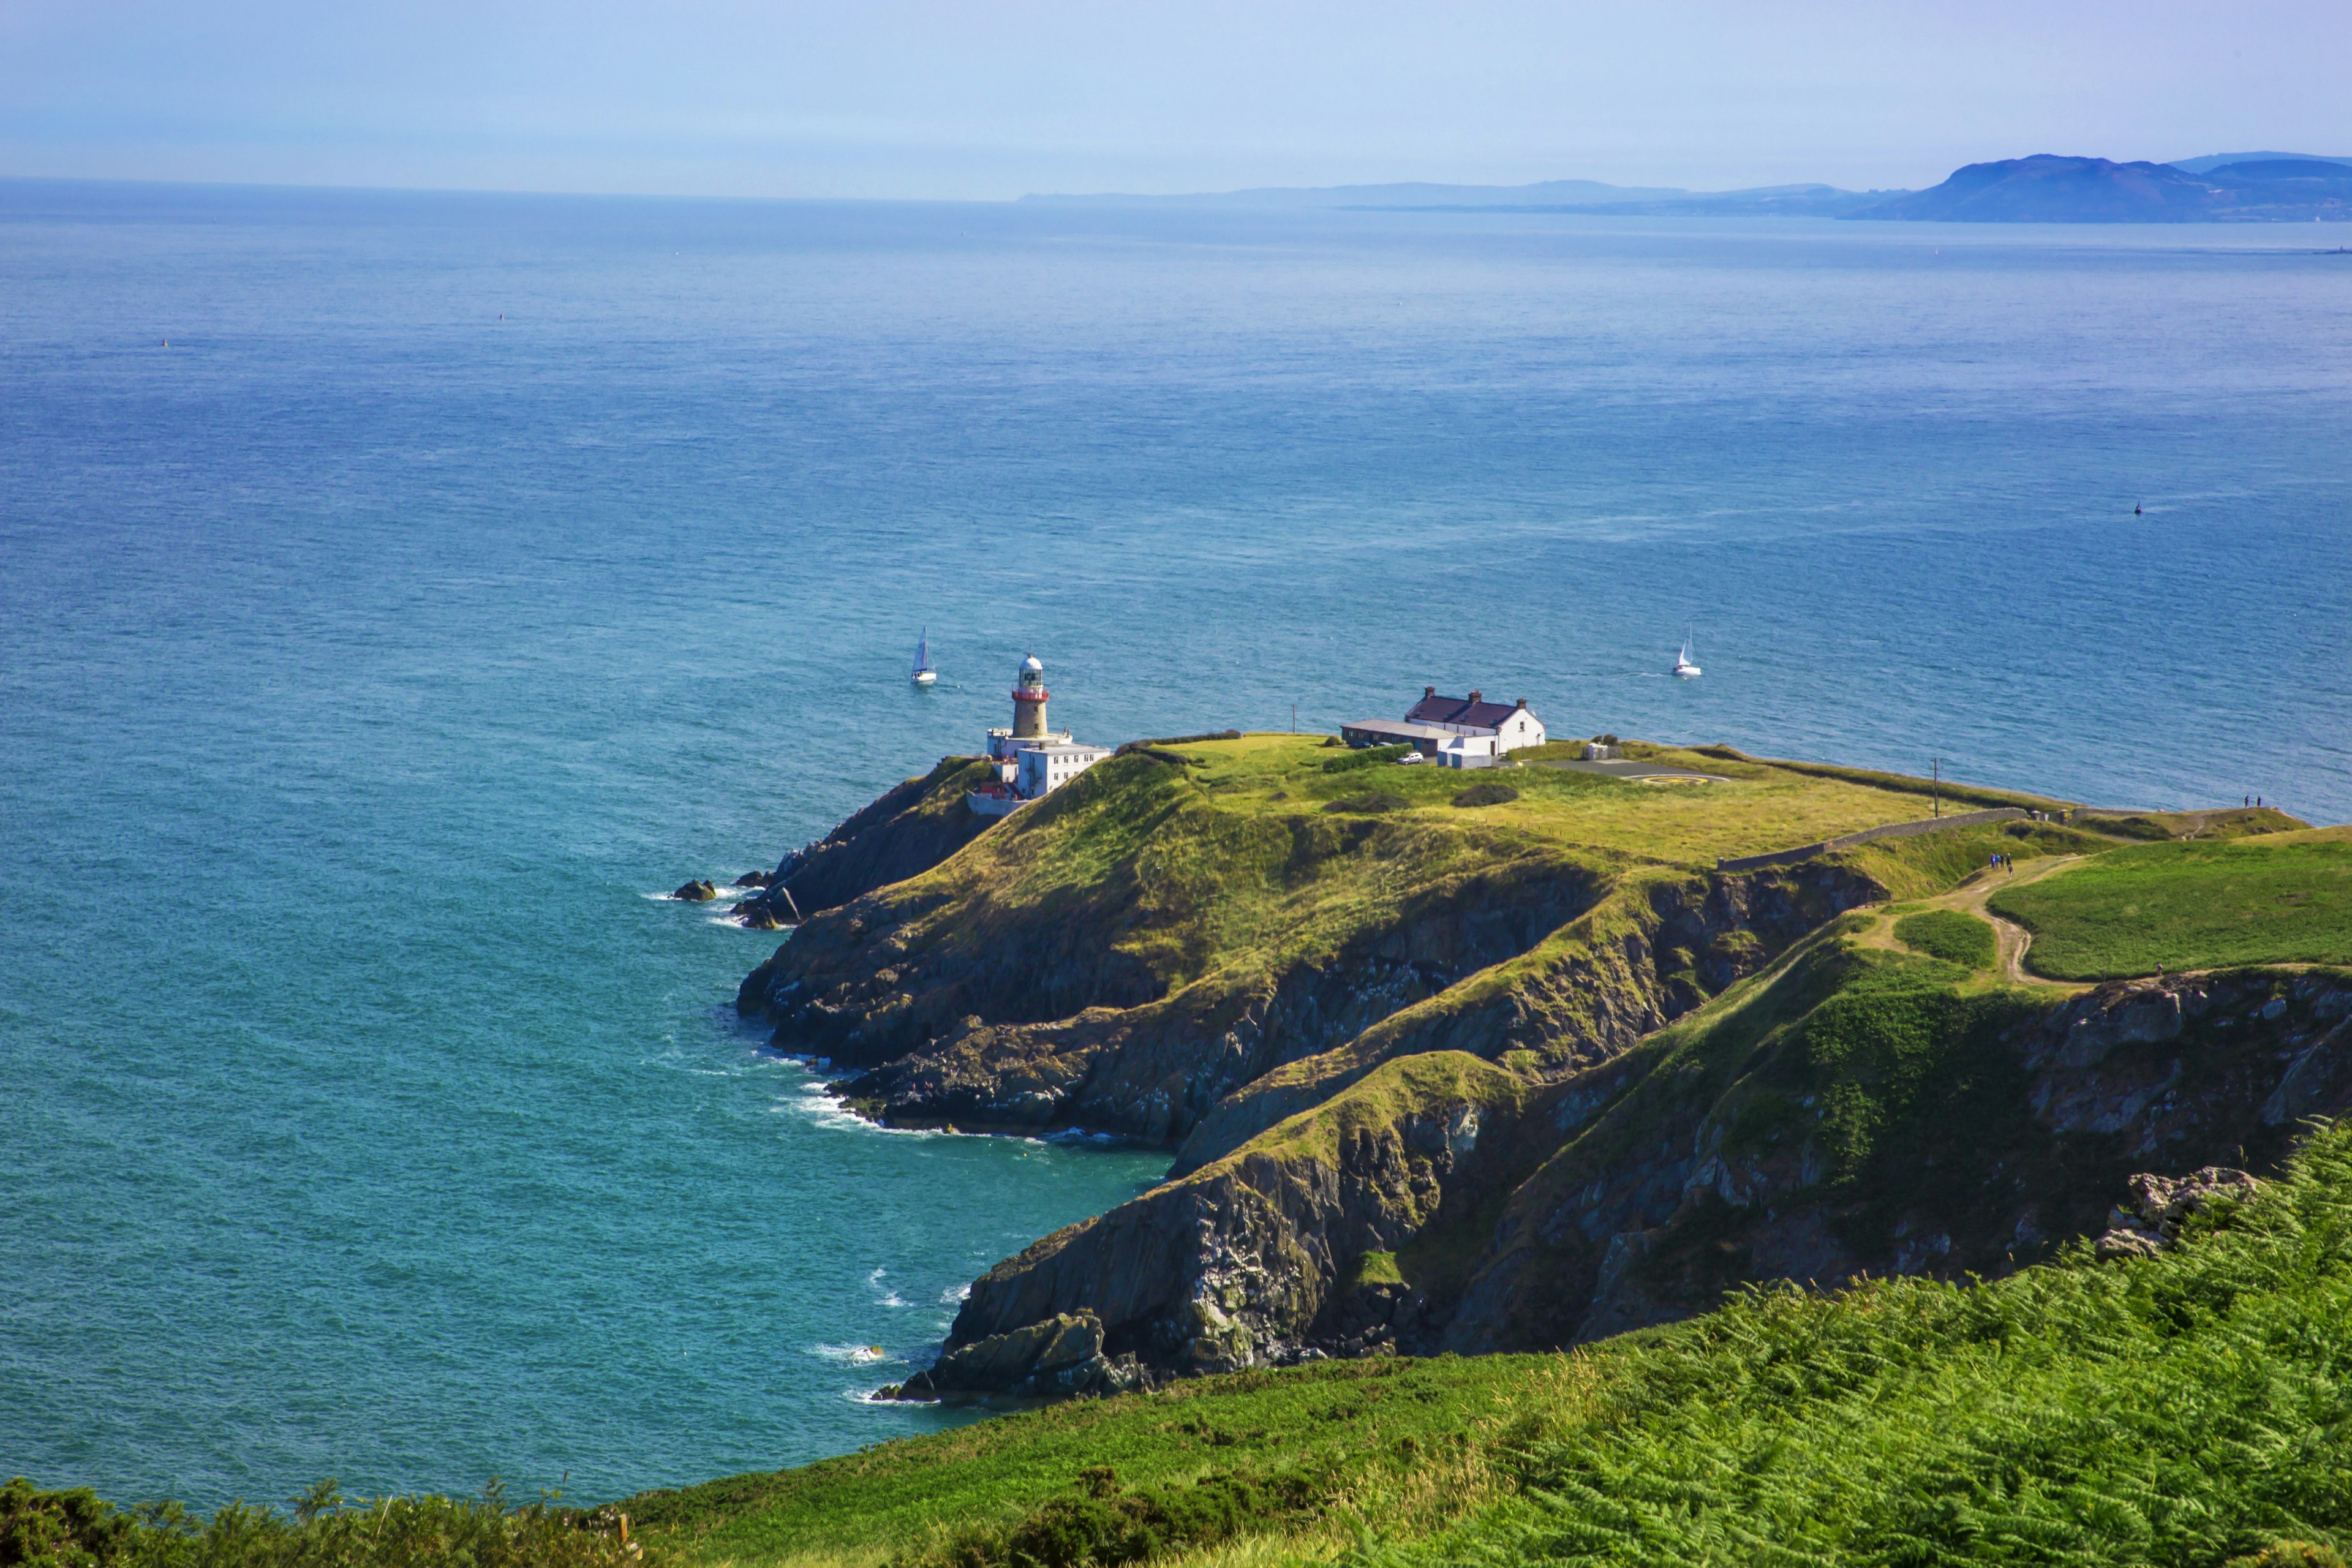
(1660, 944)
(1436, 1082)
(1441, 1203)
(1237, 1264)
(2022, 1127)
(904, 832)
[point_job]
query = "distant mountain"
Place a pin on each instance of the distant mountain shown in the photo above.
(2224, 187)
(2049, 189)
(2212, 160)
(1410, 195)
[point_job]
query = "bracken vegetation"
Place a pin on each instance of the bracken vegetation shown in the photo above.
(75, 1530)
(2186, 1410)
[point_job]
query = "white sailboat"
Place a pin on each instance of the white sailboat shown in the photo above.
(1683, 666)
(924, 674)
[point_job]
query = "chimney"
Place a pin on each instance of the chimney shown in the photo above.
(1522, 702)
(1429, 692)
(1477, 697)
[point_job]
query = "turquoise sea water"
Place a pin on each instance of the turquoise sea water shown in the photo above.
(467, 569)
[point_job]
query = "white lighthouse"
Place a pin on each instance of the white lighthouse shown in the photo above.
(1031, 760)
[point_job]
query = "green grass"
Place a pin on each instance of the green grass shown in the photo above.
(1951, 935)
(2278, 898)
(1760, 807)
(1404, 1438)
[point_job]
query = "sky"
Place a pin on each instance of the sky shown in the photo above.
(928, 98)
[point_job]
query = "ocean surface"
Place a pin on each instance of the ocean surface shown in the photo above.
(397, 591)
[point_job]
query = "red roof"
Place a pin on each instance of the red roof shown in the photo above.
(1471, 710)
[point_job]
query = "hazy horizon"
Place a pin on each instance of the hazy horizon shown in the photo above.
(916, 99)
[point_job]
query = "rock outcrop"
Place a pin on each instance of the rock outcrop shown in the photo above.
(695, 892)
(1054, 1358)
(2149, 1221)
(906, 831)
(1235, 1265)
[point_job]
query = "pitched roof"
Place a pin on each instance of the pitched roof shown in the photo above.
(1436, 709)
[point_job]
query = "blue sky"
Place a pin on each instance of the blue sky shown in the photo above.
(914, 98)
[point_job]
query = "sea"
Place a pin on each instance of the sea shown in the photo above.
(399, 592)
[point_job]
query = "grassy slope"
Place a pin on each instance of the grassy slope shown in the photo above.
(2179, 1410)
(1950, 935)
(1760, 807)
(1370, 1429)
(2279, 898)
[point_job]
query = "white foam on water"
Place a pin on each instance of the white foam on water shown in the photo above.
(892, 1300)
(853, 1355)
(955, 1294)
(821, 1109)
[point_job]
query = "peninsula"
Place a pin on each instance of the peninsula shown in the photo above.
(1530, 1058)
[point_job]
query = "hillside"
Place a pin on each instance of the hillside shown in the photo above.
(2177, 1408)
(1530, 1061)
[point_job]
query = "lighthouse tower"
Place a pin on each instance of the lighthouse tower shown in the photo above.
(1030, 761)
(1029, 702)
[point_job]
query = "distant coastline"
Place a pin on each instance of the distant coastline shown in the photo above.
(2221, 187)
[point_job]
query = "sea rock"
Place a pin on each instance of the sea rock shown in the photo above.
(700, 892)
(1060, 1356)
(751, 879)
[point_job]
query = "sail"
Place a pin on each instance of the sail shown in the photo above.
(923, 651)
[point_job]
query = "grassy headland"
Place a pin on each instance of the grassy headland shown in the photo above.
(2202, 904)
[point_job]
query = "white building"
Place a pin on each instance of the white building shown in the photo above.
(1032, 761)
(1455, 731)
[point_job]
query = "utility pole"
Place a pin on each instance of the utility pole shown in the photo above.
(1937, 794)
(1293, 718)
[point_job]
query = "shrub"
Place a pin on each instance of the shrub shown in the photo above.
(1949, 934)
(74, 1530)
(1105, 1525)
(1378, 800)
(1364, 758)
(1485, 794)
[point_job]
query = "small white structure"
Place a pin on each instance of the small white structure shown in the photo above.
(1041, 770)
(1457, 732)
(1032, 761)
(1467, 751)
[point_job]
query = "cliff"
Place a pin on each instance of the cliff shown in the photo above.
(1857, 1113)
(904, 832)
